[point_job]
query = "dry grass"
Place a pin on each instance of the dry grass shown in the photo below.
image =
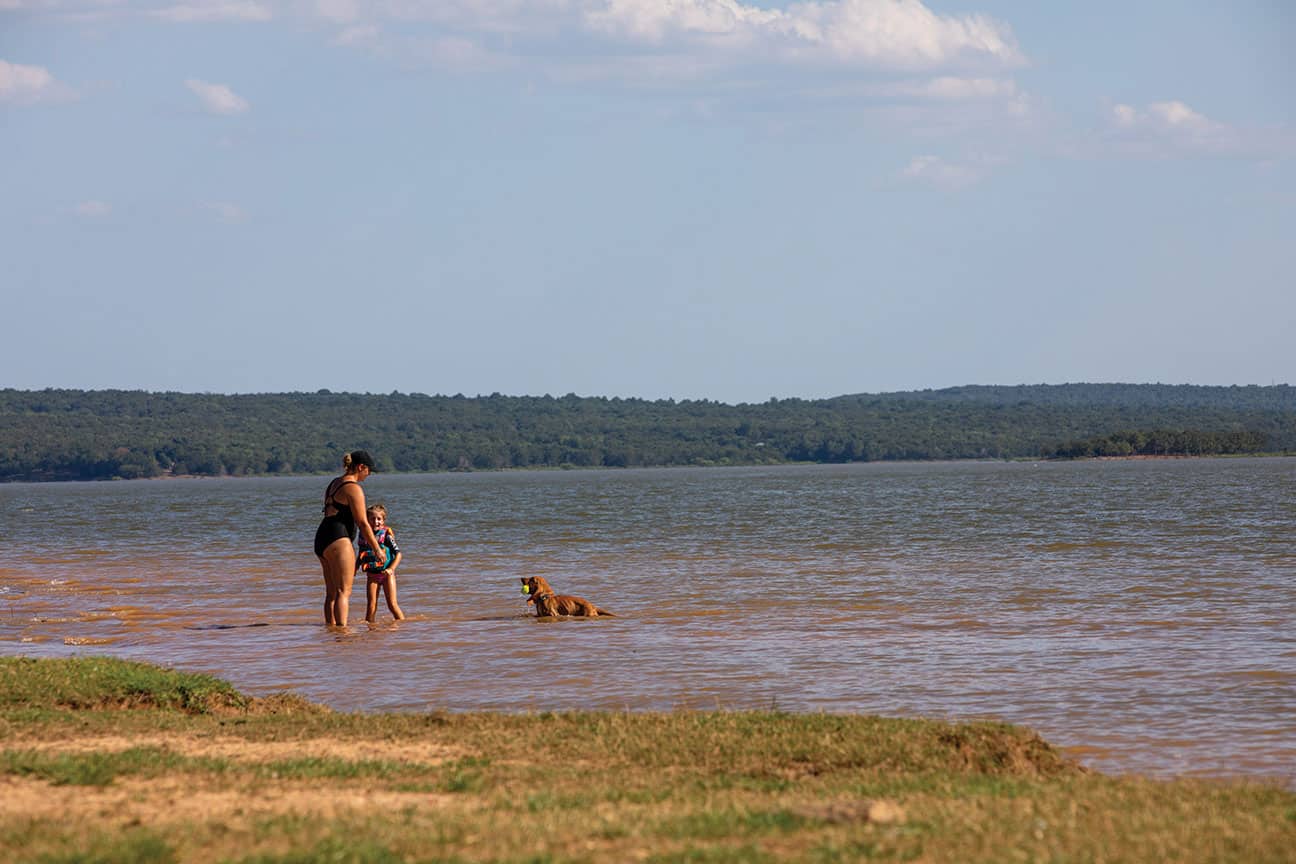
(216, 776)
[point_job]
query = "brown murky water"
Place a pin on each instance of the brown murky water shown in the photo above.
(1139, 613)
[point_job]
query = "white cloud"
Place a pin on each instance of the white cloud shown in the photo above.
(217, 98)
(1178, 115)
(652, 20)
(935, 171)
(215, 11)
(893, 52)
(19, 83)
(891, 33)
(903, 33)
(936, 107)
(93, 209)
(1172, 129)
(1174, 118)
(661, 43)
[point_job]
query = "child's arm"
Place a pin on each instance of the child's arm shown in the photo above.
(396, 553)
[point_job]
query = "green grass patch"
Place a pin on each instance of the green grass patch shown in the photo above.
(135, 846)
(101, 768)
(715, 855)
(333, 850)
(101, 682)
(727, 823)
(323, 768)
(464, 775)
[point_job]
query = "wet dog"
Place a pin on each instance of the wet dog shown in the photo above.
(549, 604)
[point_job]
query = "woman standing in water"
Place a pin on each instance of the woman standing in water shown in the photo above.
(344, 512)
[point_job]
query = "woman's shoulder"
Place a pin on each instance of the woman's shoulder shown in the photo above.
(348, 488)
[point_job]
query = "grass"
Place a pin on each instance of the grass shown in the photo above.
(135, 846)
(100, 682)
(98, 768)
(107, 761)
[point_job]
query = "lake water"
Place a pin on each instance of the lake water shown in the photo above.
(1140, 614)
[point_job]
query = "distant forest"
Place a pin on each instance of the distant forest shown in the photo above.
(103, 434)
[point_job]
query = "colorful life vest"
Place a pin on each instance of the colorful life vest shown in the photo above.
(387, 549)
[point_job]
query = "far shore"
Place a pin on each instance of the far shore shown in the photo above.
(1137, 457)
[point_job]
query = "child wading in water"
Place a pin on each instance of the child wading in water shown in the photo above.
(380, 570)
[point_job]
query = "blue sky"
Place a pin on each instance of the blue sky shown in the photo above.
(650, 198)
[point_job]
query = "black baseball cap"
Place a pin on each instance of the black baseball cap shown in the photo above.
(362, 457)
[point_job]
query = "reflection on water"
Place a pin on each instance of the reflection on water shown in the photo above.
(1139, 612)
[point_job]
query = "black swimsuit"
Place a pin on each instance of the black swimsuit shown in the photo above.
(340, 524)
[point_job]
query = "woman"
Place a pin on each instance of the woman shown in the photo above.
(344, 512)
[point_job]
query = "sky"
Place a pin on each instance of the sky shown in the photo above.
(691, 199)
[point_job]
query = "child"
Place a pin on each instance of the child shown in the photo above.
(382, 573)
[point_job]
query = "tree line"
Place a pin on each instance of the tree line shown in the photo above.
(1165, 442)
(100, 434)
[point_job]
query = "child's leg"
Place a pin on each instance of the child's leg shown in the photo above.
(371, 594)
(389, 591)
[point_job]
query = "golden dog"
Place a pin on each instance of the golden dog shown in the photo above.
(548, 604)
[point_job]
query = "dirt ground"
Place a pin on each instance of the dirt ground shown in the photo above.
(187, 797)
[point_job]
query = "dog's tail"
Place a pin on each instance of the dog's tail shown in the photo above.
(604, 613)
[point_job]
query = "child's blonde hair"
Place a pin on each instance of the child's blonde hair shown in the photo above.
(376, 508)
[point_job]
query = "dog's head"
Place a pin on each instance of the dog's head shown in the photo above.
(535, 586)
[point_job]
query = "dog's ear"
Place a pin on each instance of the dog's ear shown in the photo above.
(522, 580)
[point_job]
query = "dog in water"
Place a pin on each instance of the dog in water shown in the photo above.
(549, 604)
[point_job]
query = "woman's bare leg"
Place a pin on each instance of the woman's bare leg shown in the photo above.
(330, 590)
(389, 591)
(339, 574)
(328, 595)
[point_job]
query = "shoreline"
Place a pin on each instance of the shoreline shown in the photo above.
(1137, 457)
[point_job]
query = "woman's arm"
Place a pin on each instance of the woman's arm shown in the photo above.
(357, 501)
